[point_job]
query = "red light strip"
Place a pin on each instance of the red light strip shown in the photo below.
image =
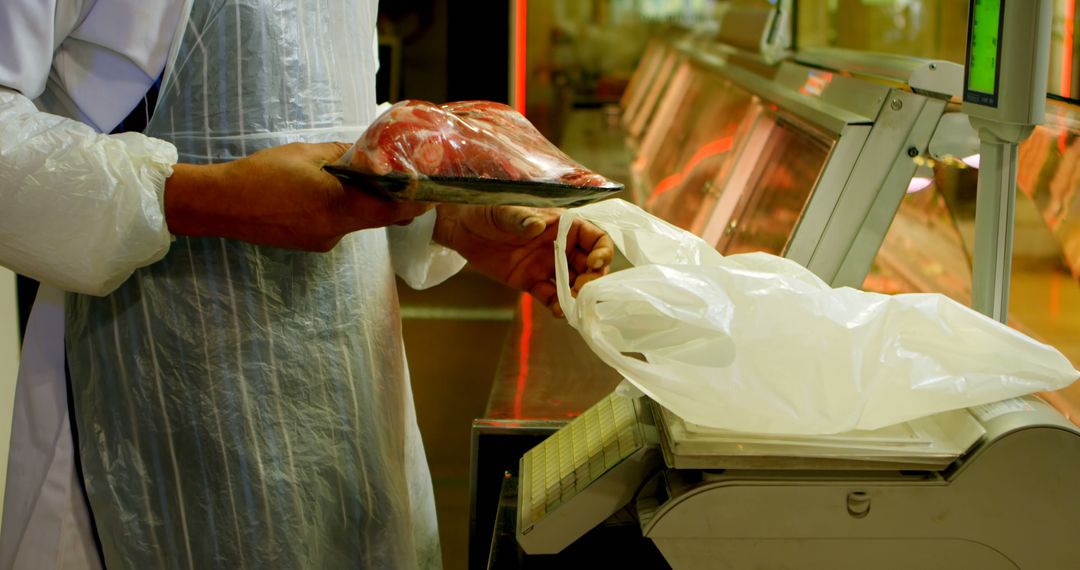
(524, 347)
(666, 184)
(718, 146)
(1067, 50)
(521, 9)
(711, 148)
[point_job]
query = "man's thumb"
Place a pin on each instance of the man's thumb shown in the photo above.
(518, 220)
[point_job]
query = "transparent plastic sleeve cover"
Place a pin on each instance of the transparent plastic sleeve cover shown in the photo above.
(464, 139)
(758, 343)
(78, 209)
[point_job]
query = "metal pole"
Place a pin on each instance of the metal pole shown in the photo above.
(995, 207)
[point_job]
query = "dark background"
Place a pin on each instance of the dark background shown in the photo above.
(450, 51)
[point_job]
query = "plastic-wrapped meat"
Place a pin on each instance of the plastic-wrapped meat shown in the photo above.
(465, 139)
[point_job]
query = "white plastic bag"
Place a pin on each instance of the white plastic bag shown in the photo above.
(758, 343)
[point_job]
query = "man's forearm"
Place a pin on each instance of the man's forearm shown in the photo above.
(194, 205)
(279, 197)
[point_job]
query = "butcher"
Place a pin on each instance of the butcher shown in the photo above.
(213, 374)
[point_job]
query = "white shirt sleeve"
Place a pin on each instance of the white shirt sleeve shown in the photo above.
(27, 43)
(417, 259)
(78, 209)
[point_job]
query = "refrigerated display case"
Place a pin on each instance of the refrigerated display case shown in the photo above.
(927, 28)
(780, 186)
(688, 148)
(666, 72)
(640, 77)
(649, 74)
(1050, 176)
(820, 183)
(929, 246)
(813, 165)
(795, 161)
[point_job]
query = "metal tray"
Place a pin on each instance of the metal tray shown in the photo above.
(473, 190)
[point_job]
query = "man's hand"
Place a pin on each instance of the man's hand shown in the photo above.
(280, 197)
(513, 245)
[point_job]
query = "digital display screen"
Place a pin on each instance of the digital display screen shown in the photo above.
(984, 38)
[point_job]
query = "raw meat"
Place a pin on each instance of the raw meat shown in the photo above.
(464, 139)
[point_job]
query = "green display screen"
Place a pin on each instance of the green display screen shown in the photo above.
(983, 38)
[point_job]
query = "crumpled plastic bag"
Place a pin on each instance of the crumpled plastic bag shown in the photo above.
(464, 139)
(757, 343)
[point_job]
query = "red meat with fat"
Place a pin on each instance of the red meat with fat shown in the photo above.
(468, 139)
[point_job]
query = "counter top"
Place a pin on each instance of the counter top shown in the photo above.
(547, 373)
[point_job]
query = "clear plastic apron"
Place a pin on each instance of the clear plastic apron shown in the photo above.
(247, 407)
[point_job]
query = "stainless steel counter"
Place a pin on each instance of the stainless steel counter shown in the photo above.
(546, 373)
(546, 376)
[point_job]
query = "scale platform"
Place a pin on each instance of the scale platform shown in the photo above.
(990, 487)
(928, 443)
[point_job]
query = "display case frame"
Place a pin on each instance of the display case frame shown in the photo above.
(877, 130)
(641, 79)
(633, 86)
(666, 73)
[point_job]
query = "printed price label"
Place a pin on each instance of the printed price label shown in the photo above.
(987, 412)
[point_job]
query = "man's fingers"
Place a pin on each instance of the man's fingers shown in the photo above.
(583, 279)
(579, 260)
(410, 211)
(546, 293)
(519, 220)
(327, 152)
(591, 256)
(413, 209)
(600, 258)
(398, 212)
(383, 211)
(593, 240)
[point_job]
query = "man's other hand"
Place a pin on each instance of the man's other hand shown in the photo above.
(514, 245)
(280, 197)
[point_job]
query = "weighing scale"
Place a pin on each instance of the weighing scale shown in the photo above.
(988, 488)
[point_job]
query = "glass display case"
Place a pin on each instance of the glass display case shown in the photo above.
(793, 158)
(652, 91)
(905, 27)
(930, 243)
(804, 165)
(640, 77)
(932, 29)
(648, 71)
(799, 162)
(690, 145)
